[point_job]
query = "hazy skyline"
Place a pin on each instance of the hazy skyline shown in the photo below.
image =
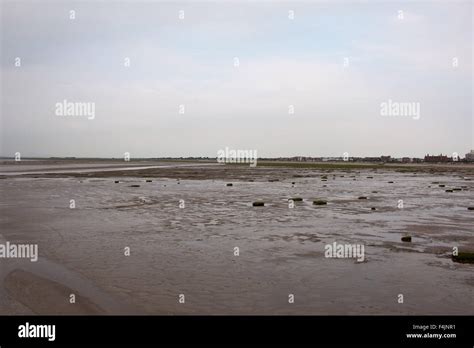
(335, 63)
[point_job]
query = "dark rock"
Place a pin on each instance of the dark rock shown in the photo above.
(464, 257)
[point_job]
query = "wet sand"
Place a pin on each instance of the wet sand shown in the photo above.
(27, 288)
(190, 251)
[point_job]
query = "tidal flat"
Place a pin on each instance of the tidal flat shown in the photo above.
(181, 223)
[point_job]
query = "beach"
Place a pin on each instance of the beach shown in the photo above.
(141, 234)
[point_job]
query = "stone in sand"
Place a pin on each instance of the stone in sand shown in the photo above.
(362, 197)
(319, 202)
(406, 239)
(229, 184)
(296, 199)
(148, 181)
(464, 257)
(134, 185)
(116, 181)
(258, 204)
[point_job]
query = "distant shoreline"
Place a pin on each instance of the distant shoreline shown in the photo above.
(111, 162)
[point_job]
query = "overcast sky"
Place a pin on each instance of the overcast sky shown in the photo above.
(335, 62)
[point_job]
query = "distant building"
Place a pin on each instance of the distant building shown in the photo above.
(437, 159)
(370, 159)
(385, 158)
(470, 156)
(406, 160)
